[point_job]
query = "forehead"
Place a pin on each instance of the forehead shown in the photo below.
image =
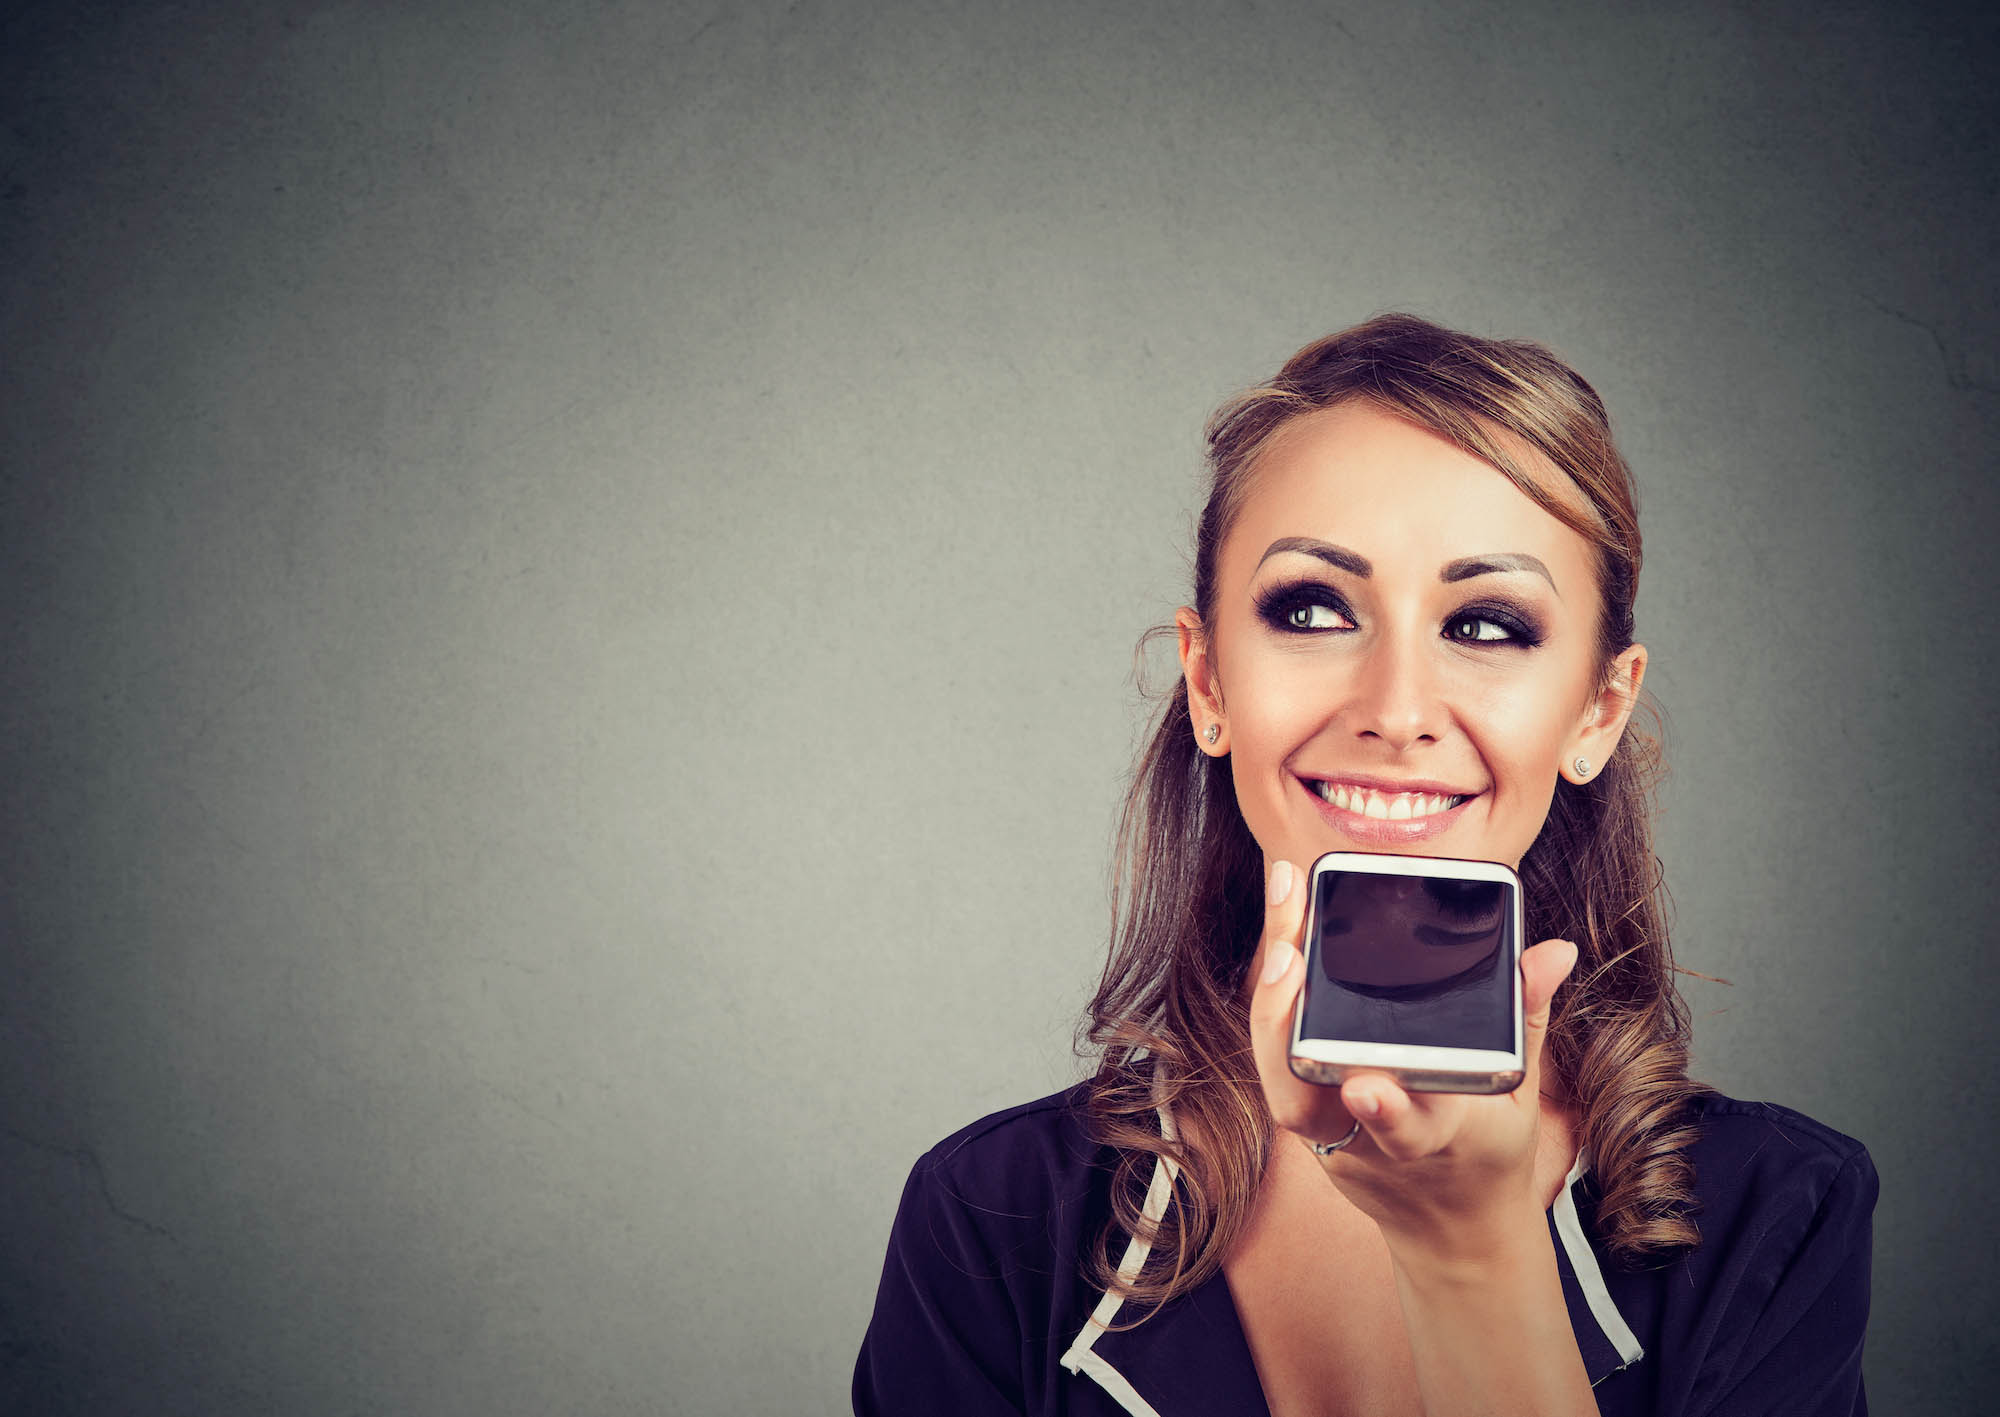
(1399, 495)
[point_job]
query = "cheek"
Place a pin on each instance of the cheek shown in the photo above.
(1521, 740)
(1274, 709)
(1520, 734)
(1258, 749)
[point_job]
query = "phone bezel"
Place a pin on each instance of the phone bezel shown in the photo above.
(1419, 1068)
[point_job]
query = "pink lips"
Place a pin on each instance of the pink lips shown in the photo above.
(1377, 831)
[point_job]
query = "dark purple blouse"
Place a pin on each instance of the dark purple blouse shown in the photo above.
(983, 1307)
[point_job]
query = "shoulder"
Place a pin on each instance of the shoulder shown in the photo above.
(985, 1280)
(1036, 1126)
(1766, 1313)
(1026, 1162)
(1784, 1206)
(1761, 1158)
(1735, 1119)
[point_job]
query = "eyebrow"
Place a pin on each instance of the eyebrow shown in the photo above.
(1463, 569)
(1326, 551)
(1498, 562)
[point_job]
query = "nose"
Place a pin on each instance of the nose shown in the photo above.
(1396, 695)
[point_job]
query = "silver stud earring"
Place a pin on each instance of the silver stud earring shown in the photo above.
(1582, 766)
(1211, 733)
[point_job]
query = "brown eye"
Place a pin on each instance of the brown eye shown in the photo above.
(1313, 617)
(1478, 627)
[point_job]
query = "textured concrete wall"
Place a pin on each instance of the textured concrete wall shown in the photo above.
(570, 581)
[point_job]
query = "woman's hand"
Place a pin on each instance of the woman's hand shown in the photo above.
(1447, 1176)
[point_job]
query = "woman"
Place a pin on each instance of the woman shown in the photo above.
(1411, 632)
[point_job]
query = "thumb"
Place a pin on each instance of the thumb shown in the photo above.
(1543, 968)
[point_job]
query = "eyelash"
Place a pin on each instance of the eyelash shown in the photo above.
(1277, 604)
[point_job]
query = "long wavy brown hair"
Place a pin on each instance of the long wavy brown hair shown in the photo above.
(1169, 1023)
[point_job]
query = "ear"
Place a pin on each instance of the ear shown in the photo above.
(1603, 722)
(1204, 692)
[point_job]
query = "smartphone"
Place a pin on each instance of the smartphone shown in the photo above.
(1413, 968)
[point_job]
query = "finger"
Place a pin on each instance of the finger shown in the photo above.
(1271, 1008)
(1295, 1104)
(1543, 969)
(1284, 905)
(1277, 958)
(1400, 1126)
(1292, 1100)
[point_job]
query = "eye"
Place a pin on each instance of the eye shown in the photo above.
(1304, 608)
(1492, 624)
(1314, 617)
(1477, 627)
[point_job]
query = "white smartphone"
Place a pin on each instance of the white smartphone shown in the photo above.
(1413, 968)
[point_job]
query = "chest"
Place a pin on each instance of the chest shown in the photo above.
(1316, 1296)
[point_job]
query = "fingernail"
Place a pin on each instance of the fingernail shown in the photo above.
(1367, 1104)
(1278, 957)
(1280, 885)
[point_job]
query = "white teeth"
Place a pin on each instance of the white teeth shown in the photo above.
(1399, 807)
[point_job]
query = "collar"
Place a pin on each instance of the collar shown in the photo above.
(1191, 1356)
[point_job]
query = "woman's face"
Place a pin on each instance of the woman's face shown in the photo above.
(1403, 649)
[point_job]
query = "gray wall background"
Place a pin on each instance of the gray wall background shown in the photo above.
(570, 583)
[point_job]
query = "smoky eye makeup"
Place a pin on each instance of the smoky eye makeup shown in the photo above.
(1288, 606)
(1497, 621)
(1469, 623)
(1309, 605)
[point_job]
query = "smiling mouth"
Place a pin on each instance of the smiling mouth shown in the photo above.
(1385, 806)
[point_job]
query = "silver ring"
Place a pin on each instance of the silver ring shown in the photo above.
(1328, 1148)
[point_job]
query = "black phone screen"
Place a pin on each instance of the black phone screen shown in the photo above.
(1419, 960)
